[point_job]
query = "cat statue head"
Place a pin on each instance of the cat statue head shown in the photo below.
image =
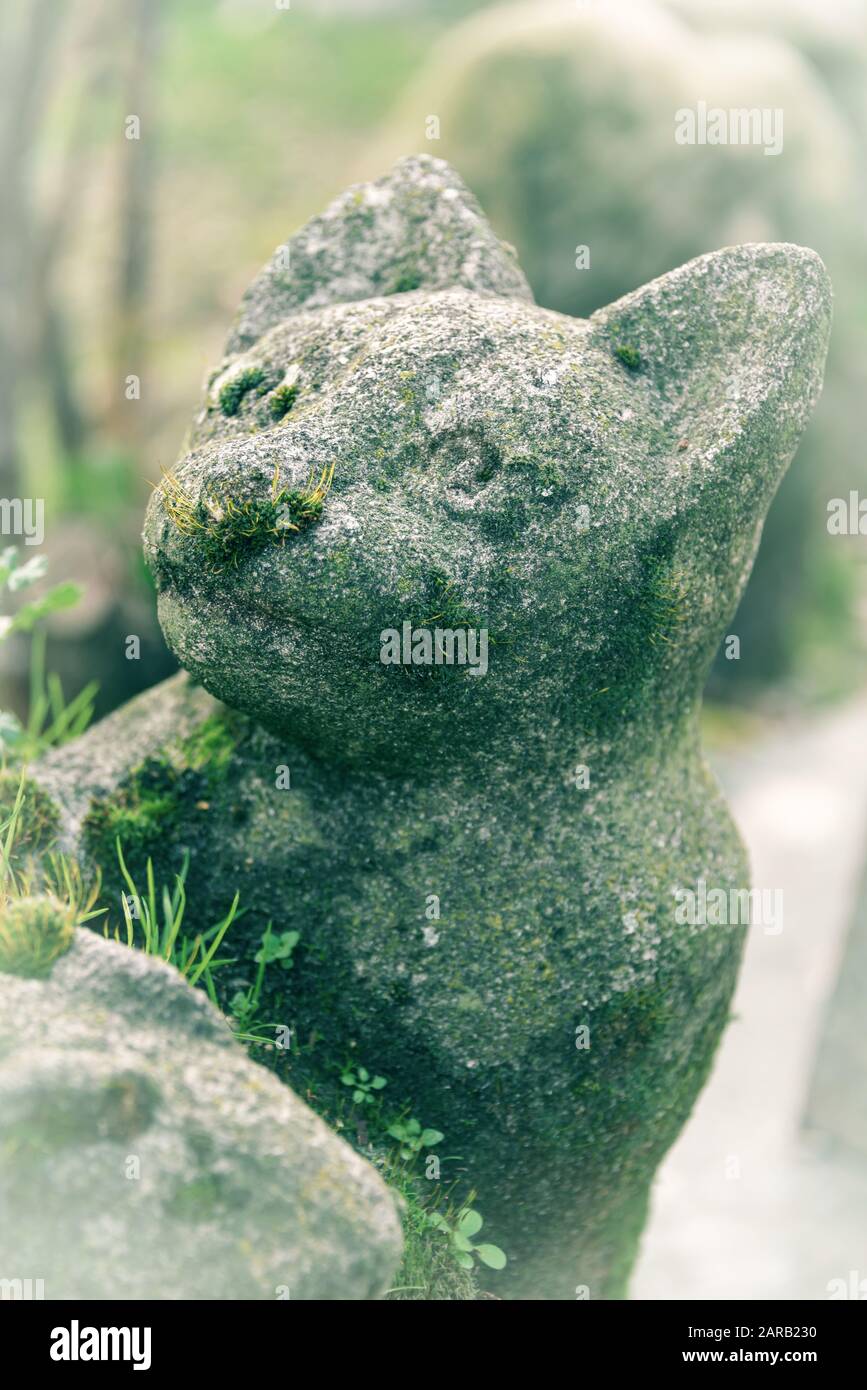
(419, 518)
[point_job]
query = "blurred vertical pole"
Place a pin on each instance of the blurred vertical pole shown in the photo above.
(52, 342)
(837, 1100)
(27, 54)
(137, 177)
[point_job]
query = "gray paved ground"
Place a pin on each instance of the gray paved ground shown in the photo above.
(746, 1206)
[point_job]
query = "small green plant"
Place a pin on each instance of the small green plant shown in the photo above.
(245, 1003)
(15, 576)
(277, 948)
(413, 1138)
(459, 1233)
(427, 1272)
(234, 391)
(227, 528)
(160, 930)
(244, 1008)
(281, 401)
(363, 1084)
(50, 721)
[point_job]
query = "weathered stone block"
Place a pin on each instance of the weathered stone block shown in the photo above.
(144, 1156)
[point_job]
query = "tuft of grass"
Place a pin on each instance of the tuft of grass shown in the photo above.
(34, 932)
(155, 925)
(227, 528)
(665, 605)
(408, 280)
(428, 1273)
(39, 909)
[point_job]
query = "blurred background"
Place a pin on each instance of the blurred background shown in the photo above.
(152, 155)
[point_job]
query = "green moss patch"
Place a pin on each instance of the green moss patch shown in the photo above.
(629, 355)
(409, 279)
(227, 528)
(140, 814)
(209, 748)
(166, 793)
(281, 401)
(233, 392)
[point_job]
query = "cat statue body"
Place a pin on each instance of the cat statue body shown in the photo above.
(401, 467)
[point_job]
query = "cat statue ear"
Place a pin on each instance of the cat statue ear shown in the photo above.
(724, 359)
(418, 227)
(728, 351)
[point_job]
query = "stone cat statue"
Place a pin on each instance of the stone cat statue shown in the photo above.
(402, 461)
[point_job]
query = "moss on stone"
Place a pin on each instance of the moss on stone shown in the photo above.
(234, 390)
(228, 526)
(628, 355)
(38, 818)
(209, 748)
(409, 279)
(141, 814)
(281, 401)
(162, 808)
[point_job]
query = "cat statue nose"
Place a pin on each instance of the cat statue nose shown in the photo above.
(484, 868)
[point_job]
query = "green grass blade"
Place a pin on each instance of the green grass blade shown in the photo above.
(174, 923)
(223, 928)
(152, 898)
